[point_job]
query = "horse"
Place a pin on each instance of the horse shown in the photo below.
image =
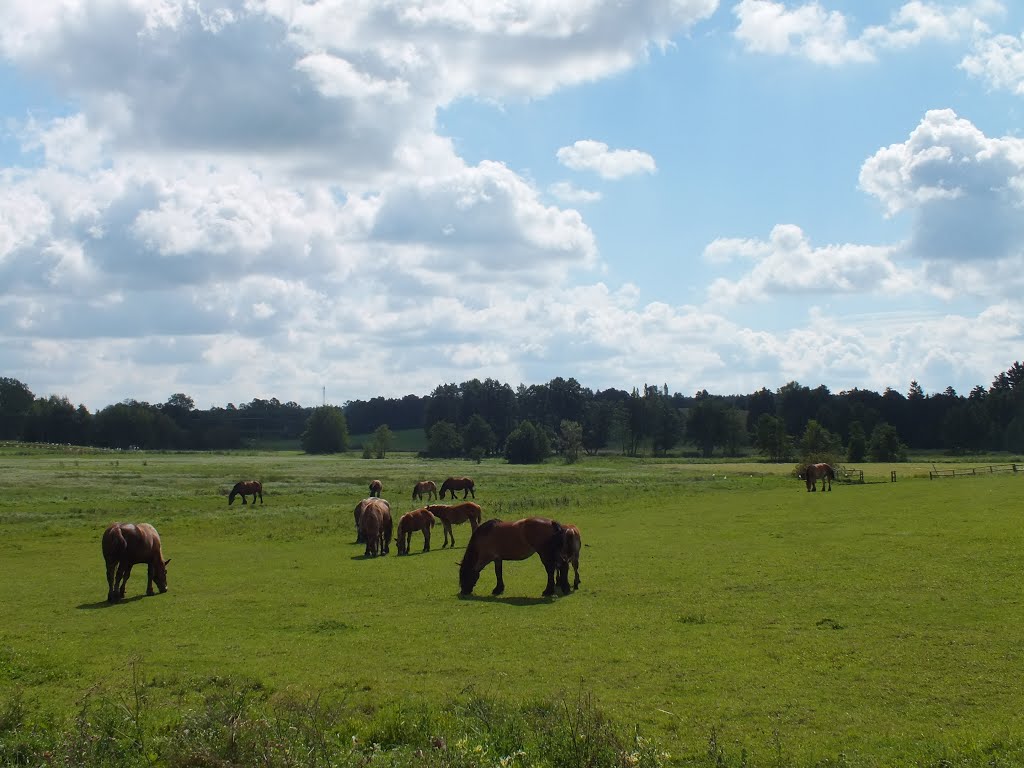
(421, 519)
(428, 487)
(358, 512)
(454, 514)
(128, 544)
(814, 471)
(453, 484)
(496, 540)
(570, 556)
(253, 488)
(375, 524)
(376, 486)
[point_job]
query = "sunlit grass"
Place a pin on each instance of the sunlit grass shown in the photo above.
(721, 599)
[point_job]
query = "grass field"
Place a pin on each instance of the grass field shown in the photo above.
(720, 603)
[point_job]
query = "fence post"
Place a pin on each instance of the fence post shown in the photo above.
(892, 476)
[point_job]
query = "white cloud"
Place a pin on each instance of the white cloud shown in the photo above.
(589, 155)
(965, 192)
(788, 264)
(999, 60)
(566, 192)
(812, 32)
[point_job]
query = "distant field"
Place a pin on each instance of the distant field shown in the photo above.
(879, 624)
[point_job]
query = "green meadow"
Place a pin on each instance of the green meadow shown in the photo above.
(724, 612)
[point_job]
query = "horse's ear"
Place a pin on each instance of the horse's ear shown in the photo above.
(166, 562)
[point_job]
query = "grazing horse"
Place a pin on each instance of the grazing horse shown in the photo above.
(454, 514)
(375, 524)
(418, 520)
(570, 556)
(496, 540)
(376, 486)
(358, 512)
(428, 487)
(128, 544)
(814, 471)
(453, 484)
(252, 488)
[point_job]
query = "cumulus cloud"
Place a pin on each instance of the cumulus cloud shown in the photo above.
(596, 156)
(999, 61)
(824, 37)
(569, 193)
(787, 263)
(965, 192)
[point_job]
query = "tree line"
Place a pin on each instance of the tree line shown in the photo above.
(487, 418)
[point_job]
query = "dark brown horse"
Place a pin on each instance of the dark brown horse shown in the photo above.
(376, 486)
(418, 520)
(496, 541)
(252, 488)
(453, 484)
(813, 472)
(428, 487)
(358, 512)
(128, 544)
(375, 524)
(571, 546)
(453, 514)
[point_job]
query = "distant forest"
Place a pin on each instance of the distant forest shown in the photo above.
(476, 418)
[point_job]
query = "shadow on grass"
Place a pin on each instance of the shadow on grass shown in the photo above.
(516, 601)
(108, 604)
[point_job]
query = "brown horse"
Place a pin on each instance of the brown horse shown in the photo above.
(812, 472)
(128, 544)
(358, 512)
(453, 484)
(495, 541)
(428, 487)
(418, 520)
(570, 556)
(375, 524)
(252, 488)
(376, 486)
(453, 514)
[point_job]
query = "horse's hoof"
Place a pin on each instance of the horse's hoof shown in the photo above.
(497, 591)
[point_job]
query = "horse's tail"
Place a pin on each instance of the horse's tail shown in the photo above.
(114, 544)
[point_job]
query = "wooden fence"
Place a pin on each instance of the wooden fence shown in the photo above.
(989, 470)
(850, 476)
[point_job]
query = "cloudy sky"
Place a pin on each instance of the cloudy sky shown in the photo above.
(285, 198)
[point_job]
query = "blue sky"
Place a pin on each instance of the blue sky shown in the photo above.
(273, 198)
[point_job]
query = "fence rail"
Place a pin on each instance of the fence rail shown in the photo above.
(850, 475)
(989, 470)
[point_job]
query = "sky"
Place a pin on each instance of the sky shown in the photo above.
(331, 200)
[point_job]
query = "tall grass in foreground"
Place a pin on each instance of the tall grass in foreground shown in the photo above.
(232, 723)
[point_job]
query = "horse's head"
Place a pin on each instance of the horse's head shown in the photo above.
(160, 574)
(468, 577)
(231, 497)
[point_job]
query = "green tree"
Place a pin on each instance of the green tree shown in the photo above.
(527, 445)
(707, 424)
(572, 440)
(818, 444)
(478, 438)
(772, 439)
(443, 440)
(326, 431)
(857, 448)
(381, 442)
(15, 401)
(885, 444)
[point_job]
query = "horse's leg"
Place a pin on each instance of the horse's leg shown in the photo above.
(111, 568)
(261, 498)
(243, 498)
(124, 570)
(426, 539)
(447, 533)
(500, 587)
(550, 567)
(149, 579)
(563, 577)
(576, 572)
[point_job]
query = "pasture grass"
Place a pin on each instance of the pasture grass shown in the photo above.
(724, 613)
